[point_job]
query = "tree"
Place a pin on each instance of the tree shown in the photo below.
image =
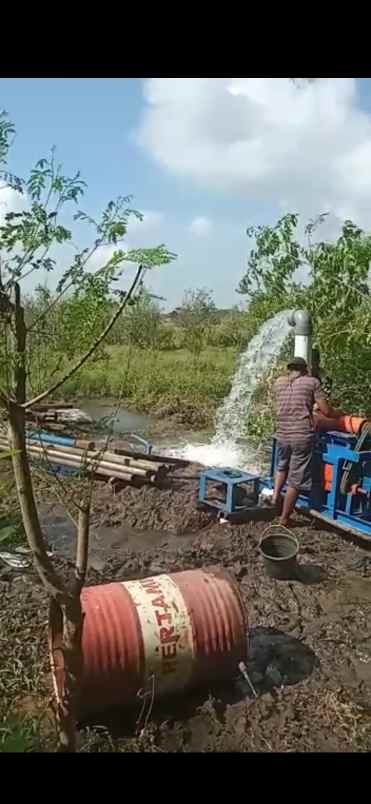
(196, 315)
(335, 290)
(27, 241)
(273, 260)
(230, 331)
(142, 322)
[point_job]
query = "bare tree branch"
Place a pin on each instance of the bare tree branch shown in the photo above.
(82, 547)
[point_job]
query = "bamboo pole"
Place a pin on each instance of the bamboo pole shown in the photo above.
(79, 460)
(106, 455)
(127, 476)
(74, 463)
(88, 458)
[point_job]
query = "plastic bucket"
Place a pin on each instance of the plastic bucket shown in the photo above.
(279, 552)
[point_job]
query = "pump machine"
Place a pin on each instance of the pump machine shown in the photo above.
(341, 489)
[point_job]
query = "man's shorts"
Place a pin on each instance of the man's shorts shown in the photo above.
(295, 458)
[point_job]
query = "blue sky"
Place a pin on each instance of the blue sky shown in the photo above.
(203, 158)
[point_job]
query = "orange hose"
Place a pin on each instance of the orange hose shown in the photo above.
(343, 423)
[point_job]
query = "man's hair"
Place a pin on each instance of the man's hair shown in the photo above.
(298, 365)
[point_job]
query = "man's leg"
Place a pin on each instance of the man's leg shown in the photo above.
(288, 505)
(279, 482)
(283, 462)
(299, 477)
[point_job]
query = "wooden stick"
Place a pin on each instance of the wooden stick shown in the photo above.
(52, 406)
(152, 457)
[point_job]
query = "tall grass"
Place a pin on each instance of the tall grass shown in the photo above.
(159, 381)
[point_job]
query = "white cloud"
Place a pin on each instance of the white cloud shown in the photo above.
(307, 148)
(201, 226)
(150, 223)
(141, 234)
(10, 201)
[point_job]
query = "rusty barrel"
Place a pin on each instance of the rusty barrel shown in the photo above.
(168, 633)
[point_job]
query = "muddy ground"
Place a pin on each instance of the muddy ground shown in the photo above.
(309, 640)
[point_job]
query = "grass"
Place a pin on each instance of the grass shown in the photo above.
(160, 382)
(20, 735)
(11, 528)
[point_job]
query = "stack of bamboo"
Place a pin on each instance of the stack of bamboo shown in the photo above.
(103, 462)
(58, 413)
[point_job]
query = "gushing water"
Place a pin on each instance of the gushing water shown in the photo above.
(253, 365)
(232, 416)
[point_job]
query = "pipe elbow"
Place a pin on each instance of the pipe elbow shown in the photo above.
(301, 320)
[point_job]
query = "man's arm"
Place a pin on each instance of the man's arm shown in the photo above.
(324, 407)
(322, 403)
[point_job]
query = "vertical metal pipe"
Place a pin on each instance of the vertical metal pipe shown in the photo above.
(302, 323)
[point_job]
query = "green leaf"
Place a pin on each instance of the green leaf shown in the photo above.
(7, 534)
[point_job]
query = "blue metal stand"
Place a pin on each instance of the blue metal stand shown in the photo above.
(233, 480)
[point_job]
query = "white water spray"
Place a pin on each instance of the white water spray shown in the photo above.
(231, 418)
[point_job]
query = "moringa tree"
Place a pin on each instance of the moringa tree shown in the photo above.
(329, 278)
(29, 245)
(196, 315)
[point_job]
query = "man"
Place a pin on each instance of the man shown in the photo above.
(295, 397)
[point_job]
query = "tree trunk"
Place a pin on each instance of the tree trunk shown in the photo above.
(66, 619)
(65, 605)
(30, 517)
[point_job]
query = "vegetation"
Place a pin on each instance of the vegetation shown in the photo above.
(336, 291)
(160, 382)
(27, 241)
(183, 362)
(155, 362)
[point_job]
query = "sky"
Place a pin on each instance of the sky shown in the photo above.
(203, 159)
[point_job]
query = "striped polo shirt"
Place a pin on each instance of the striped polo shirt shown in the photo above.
(294, 402)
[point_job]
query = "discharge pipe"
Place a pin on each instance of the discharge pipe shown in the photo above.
(301, 321)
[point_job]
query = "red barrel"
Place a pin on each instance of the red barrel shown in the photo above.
(168, 633)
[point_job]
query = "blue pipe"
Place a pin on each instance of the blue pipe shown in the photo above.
(49, 438)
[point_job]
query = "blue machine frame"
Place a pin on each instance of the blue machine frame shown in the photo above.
(351, 511)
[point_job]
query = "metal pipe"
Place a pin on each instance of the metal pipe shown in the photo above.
(63, 441)
(55, 439)
(302, 322)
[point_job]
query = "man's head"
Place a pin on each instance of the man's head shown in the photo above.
(298, 365)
